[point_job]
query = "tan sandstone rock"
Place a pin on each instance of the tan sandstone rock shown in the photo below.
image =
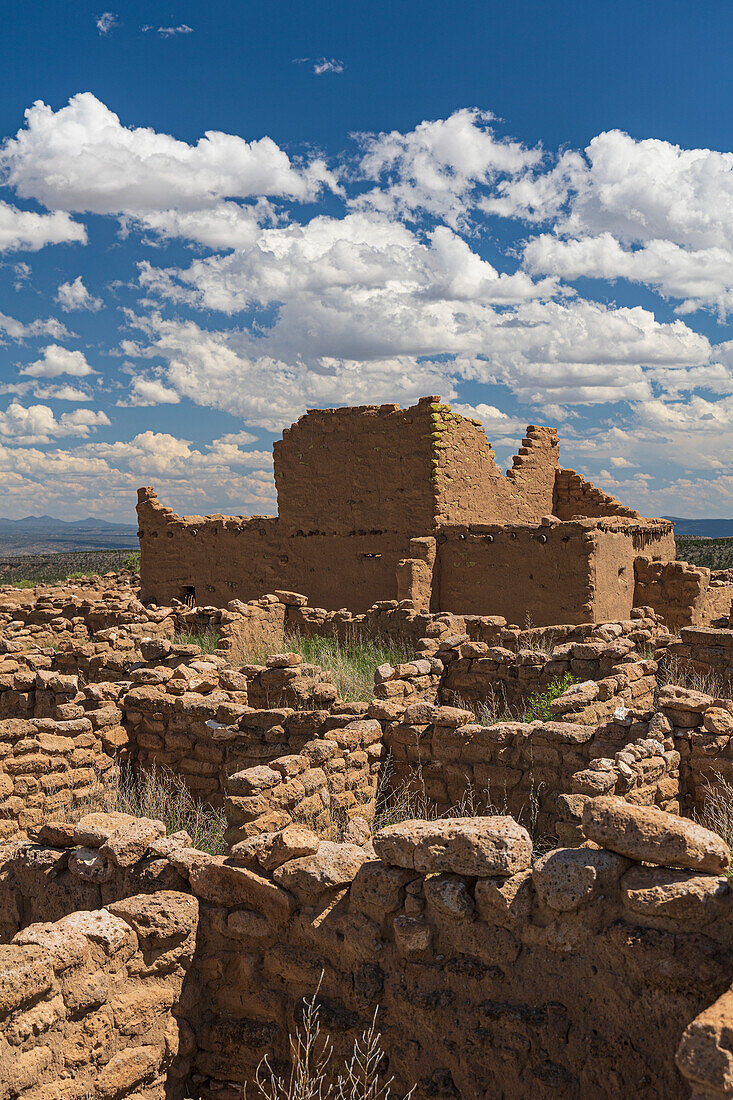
(331, 867)
(239, 888)
(569, 877)
(679, 895)
(480, 846)
(94, 829)
(652, 836)
(129, 843)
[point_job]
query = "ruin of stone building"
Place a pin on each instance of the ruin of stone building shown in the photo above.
(380, 502)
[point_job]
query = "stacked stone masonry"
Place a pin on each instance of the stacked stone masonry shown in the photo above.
(136, 965)
(494, 972)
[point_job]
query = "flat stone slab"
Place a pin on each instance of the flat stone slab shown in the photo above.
(477, 846)
(239, 888)
(331, 867)
(649, 835)
(679, 895)
(94, 829)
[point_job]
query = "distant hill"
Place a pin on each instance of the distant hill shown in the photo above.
(705, 528)
(47, 534)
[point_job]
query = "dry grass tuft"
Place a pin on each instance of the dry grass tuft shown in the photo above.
(717, 811)
(673, 671)
(153, 794)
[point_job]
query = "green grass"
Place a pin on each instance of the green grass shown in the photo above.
(712, 553)
(352, 662)
(207, 640)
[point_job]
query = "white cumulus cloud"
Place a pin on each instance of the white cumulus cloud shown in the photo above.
(82, 158)
(35, 424)
(24, 229)
(75, 295)
(56, 360)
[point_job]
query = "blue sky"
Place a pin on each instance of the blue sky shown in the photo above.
(213, 217)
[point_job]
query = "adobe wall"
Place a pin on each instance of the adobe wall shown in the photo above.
(367, 468)
(517, 572)
(357, 485)
(223, 559)
(470, 487)
(574, 497)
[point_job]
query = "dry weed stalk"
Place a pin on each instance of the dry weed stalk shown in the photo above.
(310, 1058)
(152, 793)
(710, 682)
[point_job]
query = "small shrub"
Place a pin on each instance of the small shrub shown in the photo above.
(207, 640)
(132, 561)
(538, 704)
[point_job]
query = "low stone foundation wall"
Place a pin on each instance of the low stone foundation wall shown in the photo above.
(494, 972)
(86, 1007)
(705, 651)
(44, 767)
(331, 779)
(477, 672)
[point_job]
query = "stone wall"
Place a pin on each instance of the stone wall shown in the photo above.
(45, 766)
(86, 1002)
(482, 672)
(333, 778)
(683, 594)
(492, 977)
(493, 971)
(705, 652)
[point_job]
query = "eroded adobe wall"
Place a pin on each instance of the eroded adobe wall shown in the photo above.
(357, 469)
(355, 486)
(540, 573)
(675, 589)
(575, 497)
(617, 544)
(222, 559)
(470, 487)
(550, 573)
